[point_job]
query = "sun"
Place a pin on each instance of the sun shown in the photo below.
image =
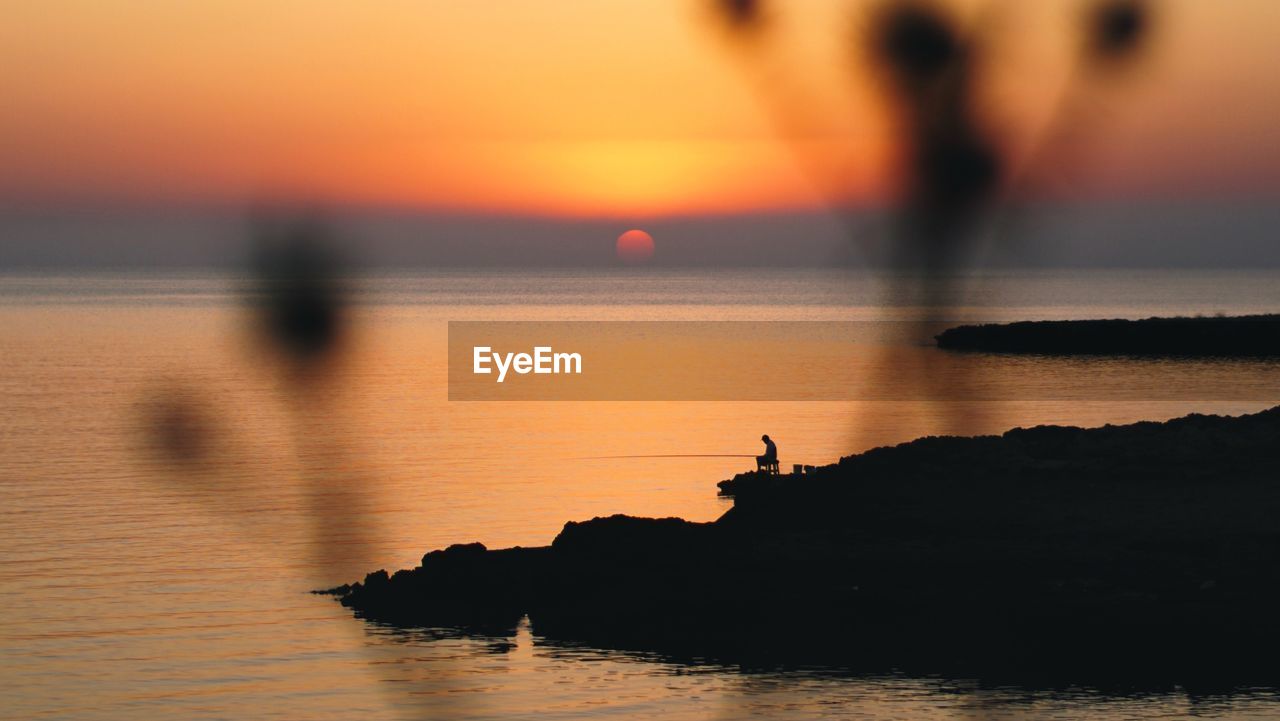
(635, 246)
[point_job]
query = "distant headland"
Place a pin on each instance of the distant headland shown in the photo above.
(1147, 553)
(1253, 336)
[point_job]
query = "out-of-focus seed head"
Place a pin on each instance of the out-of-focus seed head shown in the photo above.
(914, 41)
(957, 174)
(177, 426)
(740, 12)
(741, 19)
(1117, 29)
(299, 298)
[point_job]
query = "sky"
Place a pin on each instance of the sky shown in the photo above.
(638, 111)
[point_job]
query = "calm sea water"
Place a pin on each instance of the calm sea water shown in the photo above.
(139, 584)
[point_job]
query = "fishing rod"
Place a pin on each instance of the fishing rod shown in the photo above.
(667, 455)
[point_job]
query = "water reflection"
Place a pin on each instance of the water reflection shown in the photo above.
(527, 676)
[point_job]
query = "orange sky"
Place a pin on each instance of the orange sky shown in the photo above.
(575, 107)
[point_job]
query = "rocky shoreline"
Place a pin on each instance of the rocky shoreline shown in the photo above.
(1151, 548)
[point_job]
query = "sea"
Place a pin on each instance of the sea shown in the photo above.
(173, 486)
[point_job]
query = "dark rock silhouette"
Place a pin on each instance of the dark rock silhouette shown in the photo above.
(1147, 553)
(1235, 337)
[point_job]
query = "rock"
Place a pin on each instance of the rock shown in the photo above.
(1233, 337)
(1046, 545)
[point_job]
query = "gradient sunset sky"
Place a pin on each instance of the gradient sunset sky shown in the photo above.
(604, 108)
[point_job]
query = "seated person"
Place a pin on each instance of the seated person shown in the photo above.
(770, 456)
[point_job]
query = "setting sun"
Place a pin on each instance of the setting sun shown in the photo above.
(635, 246)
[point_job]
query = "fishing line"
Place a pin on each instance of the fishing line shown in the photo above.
(667, 455)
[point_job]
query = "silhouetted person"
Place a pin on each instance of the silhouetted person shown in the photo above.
(769, 461)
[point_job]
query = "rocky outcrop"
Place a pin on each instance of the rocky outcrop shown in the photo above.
(1092, 548)
(1234, 337)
